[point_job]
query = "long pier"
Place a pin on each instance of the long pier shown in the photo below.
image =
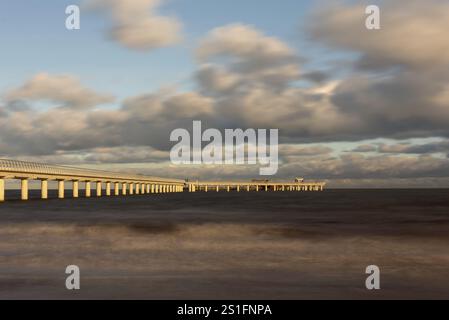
(122, 183)
(115, 183)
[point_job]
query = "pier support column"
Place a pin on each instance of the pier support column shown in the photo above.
(238, 188)
(108, 188)
(152, 188)
(61, 189)
(24, 189)
(147, 188)
(44, 189)
(88, 189)
(257, 188)
(266, 188)
(137, 188)
(228, 188)
(98, 188)
(116, 189)
(205, 190)
(75, 188)
(131, 189)
(247, 188)
(218, 188)
(124, 188)
(2, 189)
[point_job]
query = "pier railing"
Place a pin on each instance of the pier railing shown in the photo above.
(16, 167)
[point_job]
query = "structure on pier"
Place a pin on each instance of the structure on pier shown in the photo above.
(255, 185)
(116, 183)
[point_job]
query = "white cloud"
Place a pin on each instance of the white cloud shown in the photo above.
(65, 90)
(414, 34)
(136, 24)
(248, 55)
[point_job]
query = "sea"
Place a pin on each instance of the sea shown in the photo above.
(219, 245)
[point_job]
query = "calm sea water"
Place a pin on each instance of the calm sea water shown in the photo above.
(228, 245)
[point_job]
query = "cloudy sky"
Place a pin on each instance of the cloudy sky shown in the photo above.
(355, 107)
